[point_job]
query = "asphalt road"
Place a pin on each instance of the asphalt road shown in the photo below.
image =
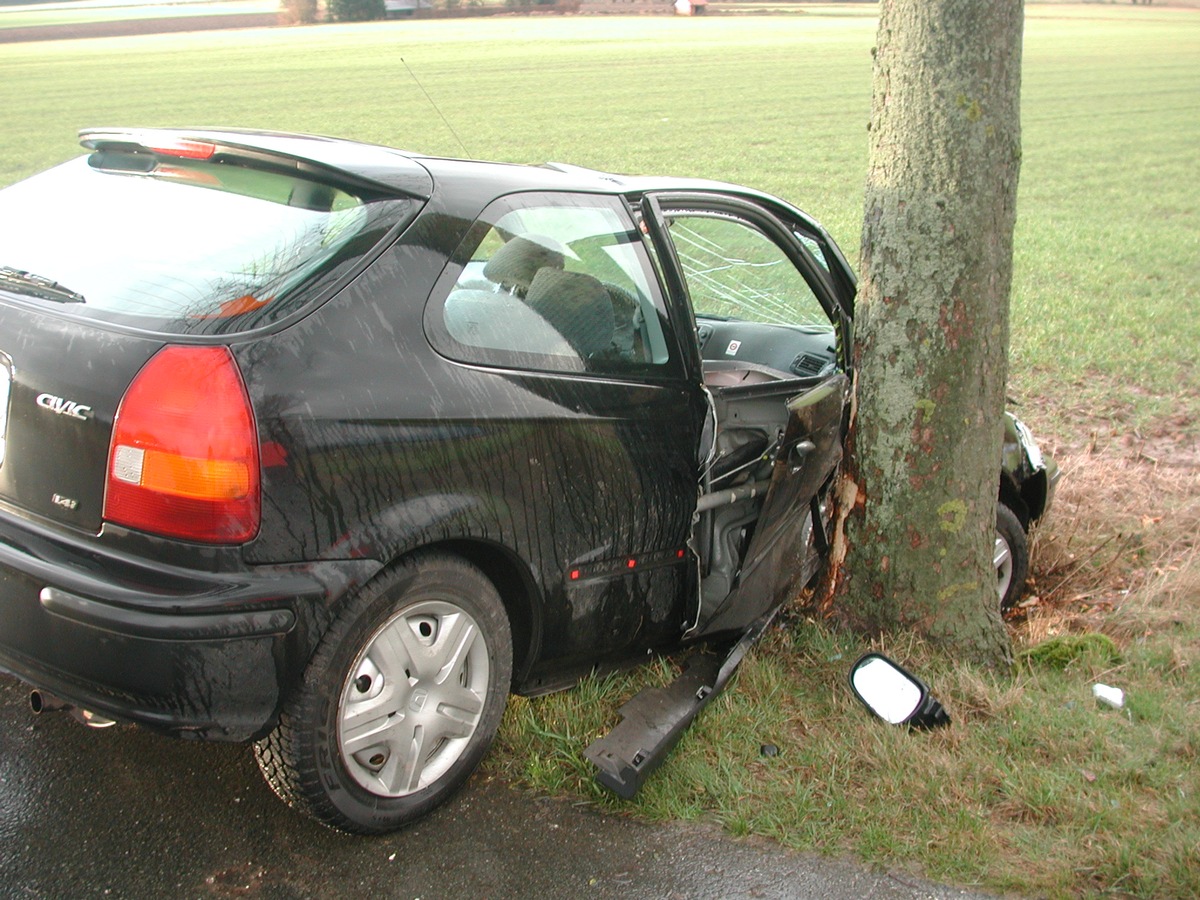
(125, 813)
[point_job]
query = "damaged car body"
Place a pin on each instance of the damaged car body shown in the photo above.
(329, 447)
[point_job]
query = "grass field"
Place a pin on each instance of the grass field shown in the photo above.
(1107, 236)
(1033, 789)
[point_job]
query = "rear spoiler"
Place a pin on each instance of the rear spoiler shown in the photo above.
(362, 169)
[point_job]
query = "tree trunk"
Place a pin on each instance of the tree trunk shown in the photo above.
(931, 343)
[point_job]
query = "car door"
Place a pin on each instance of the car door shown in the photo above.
(763, 300)
(553, 315)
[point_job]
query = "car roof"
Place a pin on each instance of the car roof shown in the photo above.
(505, 178)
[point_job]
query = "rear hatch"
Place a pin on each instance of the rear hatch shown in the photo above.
(63, 380)
(158, 238)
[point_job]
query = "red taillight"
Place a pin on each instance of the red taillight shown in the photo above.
(183, 148)
(184, 455)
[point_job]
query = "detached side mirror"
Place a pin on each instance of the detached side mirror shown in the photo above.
(895, 695)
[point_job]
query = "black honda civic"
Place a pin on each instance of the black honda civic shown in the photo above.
(329, 447)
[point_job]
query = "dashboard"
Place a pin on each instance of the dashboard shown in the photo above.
(794, 350)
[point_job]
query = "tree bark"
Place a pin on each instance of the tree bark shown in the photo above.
(917, 511)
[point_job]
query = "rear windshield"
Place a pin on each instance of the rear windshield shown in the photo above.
(183, 246)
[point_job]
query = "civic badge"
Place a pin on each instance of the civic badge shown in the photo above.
(63, 407)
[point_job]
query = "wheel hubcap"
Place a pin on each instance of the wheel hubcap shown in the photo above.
(413, 699)
(1002, 557)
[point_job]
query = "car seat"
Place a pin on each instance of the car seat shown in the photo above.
(577, 306)
(518, 261)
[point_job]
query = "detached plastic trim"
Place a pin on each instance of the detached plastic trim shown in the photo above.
(655, 719)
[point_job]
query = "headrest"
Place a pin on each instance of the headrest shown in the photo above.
(516, 263)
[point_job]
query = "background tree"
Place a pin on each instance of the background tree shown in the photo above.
(917, 503)
(356, 10)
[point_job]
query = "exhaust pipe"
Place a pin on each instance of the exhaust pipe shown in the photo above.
(41, 702)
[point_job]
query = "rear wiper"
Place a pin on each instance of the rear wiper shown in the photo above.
(22, 282)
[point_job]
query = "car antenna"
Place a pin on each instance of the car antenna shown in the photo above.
(466, 152)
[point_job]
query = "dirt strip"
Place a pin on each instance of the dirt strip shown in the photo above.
(126, 27)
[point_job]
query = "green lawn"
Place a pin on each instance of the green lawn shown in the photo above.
(1107, 240)
(1033, 789)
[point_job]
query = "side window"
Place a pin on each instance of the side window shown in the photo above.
(814, 248)
(556, 282)
(735, 271)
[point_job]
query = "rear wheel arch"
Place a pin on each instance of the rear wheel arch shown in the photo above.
(518, 592)
(507, 572)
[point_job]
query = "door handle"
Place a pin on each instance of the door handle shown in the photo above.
(799, 452)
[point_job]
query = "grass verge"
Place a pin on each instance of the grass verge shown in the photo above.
(1034, 787)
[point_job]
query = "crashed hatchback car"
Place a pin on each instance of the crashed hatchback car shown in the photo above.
(329, 447)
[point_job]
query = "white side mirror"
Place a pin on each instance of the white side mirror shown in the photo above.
(895, 695)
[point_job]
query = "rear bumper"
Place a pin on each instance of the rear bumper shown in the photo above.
(193, 653)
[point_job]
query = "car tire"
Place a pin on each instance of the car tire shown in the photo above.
(399, 702)
(1011, 556)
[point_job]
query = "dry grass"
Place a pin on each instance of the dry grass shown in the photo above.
(1120, 551)
(1121, 544)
